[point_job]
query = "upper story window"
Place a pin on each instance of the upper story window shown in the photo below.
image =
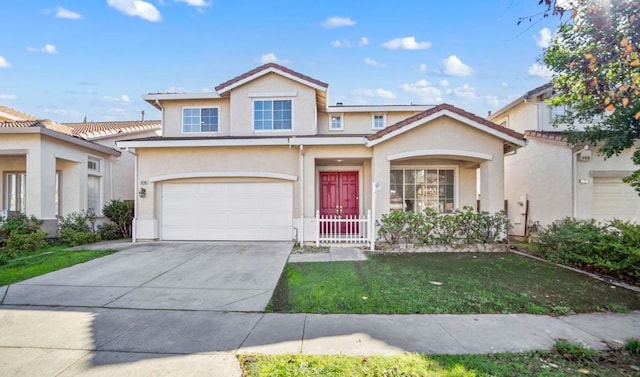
(272, 115)
(378, 121)
(335, 122)
(199, 119)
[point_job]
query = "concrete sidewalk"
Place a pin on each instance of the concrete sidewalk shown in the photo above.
(47, 341)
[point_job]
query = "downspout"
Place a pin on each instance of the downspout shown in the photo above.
(574, 186)
(134, 233)
(301, 194)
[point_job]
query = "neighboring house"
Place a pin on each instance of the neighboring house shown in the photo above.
(551, 179)
(8, 114)
(51, 169)
(261, 156)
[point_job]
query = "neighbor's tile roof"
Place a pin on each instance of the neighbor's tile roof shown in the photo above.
(44, 123)
(442, 107)
(265, 67)
(548, 135)
(16, 113)
(90, 130)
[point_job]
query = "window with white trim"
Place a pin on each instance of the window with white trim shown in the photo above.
(272, 115)
(378, 121)
(15, 191)
(94, 183)
(335, 122)
(419, 189)
(199, 119)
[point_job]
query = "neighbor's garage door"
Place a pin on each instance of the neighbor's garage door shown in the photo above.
(613, 199)
(227, 211)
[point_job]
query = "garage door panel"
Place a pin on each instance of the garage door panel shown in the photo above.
(227, 211)
(614, 199)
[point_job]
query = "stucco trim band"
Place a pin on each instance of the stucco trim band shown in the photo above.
(440, 152)
(224, 174)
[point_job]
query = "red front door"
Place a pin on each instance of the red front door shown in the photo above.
(339, 196)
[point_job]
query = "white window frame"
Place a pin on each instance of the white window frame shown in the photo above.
(199, 108)
(456, 180)
(373, 121)
(99, 174)
(272, 99)
(336, 115)
(20, 204)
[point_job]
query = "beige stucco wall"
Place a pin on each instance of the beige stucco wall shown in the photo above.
(44, 156)
(360, 123)
(172, 117)
(446, 133)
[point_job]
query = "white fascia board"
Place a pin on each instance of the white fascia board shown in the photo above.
(270, 70)
(441, 152)
(329, 140)
(377, 108)
(60, 136)
(452, 115)
(200, 143)
(179, 96)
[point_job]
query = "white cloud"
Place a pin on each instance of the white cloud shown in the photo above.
(373, 63)
(492, 100)
(194, 3)
(66, 13)
(538, 70)
(504, 84)
(425, 90)
(444, 83)
(363, 41)
(465, 91)
(47, 49)
(4, 63)
(335, 21)
(453, 66)
(272, 58)
(122, 98)
(137, 8)
(7, 96)
(339, 43)
(374, 93)
(423, 67)
(406, 43)
(543, 38)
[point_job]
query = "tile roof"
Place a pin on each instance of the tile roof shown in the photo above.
(266, 67)
(89, 130)
(443, 107)
(15, 113)
(44, 123)
(548, 135)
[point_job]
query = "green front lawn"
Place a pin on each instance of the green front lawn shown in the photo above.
(470, 284)
(530, 364)
(45, 261)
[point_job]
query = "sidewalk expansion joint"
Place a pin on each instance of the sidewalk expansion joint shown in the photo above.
(249, 333)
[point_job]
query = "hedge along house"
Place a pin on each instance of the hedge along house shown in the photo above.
(264, 158)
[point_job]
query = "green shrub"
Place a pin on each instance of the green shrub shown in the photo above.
(120, 213)
(633, 346)
(574, 352)
(19, 243)
(110, 231)
(18, 224)
(77, 228)
(463, 226)
(612, 248)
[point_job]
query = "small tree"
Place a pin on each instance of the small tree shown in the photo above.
(120, 212)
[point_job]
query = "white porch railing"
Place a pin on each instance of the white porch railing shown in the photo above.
(344, 229)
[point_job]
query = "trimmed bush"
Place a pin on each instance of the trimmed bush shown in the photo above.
(462, 227)
(612, 248)
(18, 224)
(18, 243)
(110, 231)
(77, 228)
(121, 214)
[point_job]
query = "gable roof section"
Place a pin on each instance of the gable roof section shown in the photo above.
(266, 69)
(54, 130)
(93, 130)
(12, 114)
(509, 136)
(548, 87)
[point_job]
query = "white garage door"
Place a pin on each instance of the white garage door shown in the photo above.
(227, 211)
(614, 199)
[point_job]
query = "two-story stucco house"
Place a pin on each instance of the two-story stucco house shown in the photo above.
(263, 157)
(550, 179)
(49, 169)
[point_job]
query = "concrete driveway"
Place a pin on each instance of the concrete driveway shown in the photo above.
(223, 276)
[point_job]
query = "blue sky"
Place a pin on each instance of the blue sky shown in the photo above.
(65, 60)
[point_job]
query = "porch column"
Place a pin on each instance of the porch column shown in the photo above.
(41, 187)
(380, 171)
(492, 185)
